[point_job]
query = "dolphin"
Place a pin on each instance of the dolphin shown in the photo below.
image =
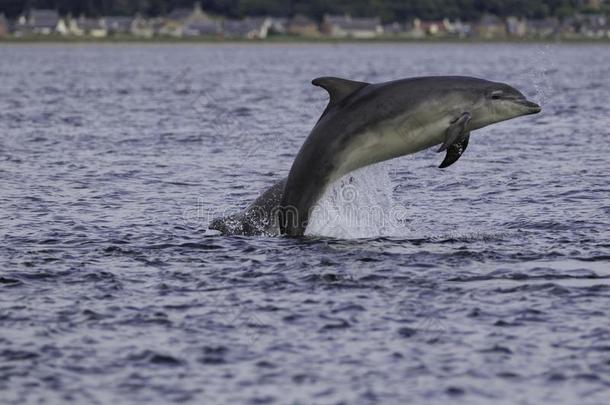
(366, 123)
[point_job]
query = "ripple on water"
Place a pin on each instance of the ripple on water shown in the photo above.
(486, 280)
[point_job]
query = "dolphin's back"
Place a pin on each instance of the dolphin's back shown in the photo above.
(379, 102)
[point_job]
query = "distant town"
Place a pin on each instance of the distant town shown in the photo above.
(197, 23)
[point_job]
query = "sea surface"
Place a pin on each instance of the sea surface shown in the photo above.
(487, 282)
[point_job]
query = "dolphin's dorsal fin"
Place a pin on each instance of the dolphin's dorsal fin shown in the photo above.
(338, 88)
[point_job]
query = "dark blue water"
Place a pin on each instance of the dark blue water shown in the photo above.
(488, 281)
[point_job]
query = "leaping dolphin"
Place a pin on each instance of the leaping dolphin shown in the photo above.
(368, 123)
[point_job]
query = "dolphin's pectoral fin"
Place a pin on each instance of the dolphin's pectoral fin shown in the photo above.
(455, 150)
(456, 131)
(338, 89)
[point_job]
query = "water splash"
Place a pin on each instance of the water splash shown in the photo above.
(360, 205)
(543, 68)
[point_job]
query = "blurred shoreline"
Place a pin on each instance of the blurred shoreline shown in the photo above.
(294, 40)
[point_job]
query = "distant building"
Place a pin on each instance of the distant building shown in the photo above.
(118, 25)
(3, 26)
(202, 28)
(433, 28)
(460, 29)
(568, 27)
(302, 26)
(393, 29)
(544, 28)
(438, 28)
(352, 27)
(490, 26)
(278, 25)
(73, 28)
(413, 29)
(93, 27)
(193, 20)
(250, 28)
(166, 27)
(592, 25)
(516, 27)
(42, 22)
(141, 27)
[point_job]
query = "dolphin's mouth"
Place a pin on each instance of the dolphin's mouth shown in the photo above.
(532, 107)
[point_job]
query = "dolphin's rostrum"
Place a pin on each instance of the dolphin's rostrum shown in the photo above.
(369, 123)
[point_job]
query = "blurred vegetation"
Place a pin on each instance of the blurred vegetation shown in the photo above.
(388, 10)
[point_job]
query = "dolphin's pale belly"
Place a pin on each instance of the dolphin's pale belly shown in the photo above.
(391, 140)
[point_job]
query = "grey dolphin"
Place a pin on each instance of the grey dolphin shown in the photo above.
(368, 123)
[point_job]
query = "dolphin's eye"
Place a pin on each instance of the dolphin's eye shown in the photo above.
(496, 95)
